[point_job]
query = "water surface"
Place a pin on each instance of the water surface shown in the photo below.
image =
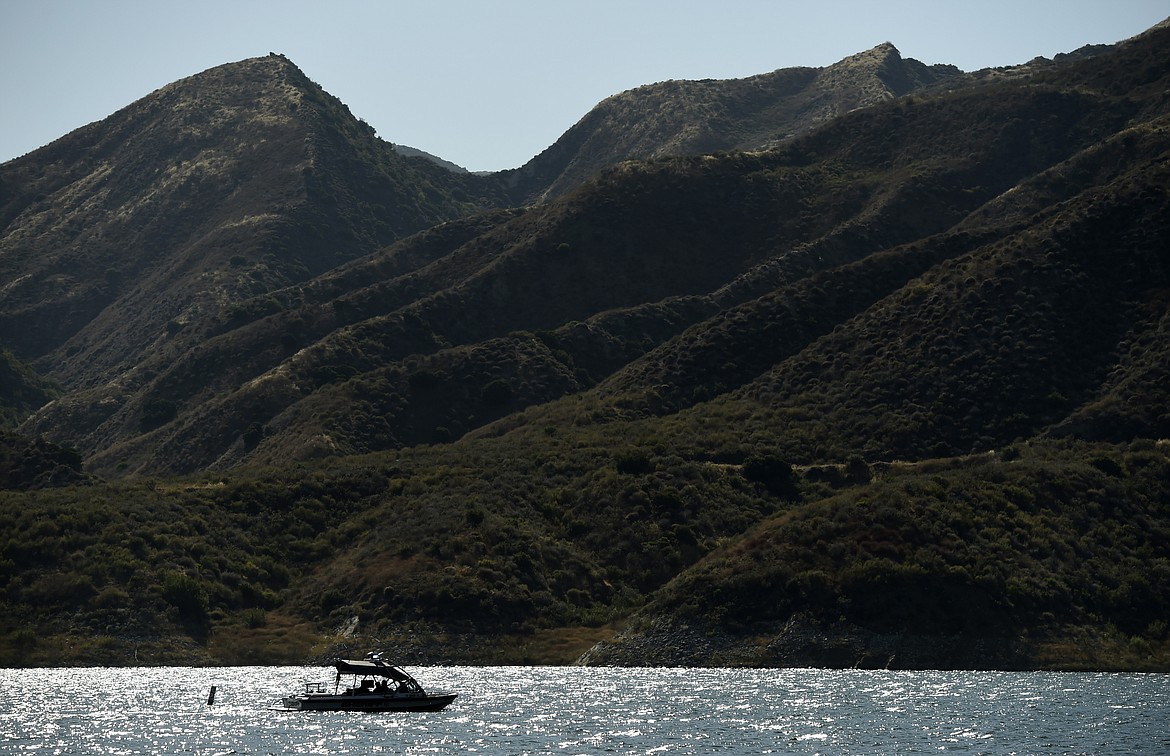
(574, 710)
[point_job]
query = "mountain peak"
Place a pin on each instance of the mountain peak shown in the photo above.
(877, 74)
(880, 53)
(216, 187)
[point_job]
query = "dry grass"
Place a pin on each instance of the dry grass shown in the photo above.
(280, 640)
(560, 645)
(1089, 651)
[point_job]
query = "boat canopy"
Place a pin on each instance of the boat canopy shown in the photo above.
(370, 667)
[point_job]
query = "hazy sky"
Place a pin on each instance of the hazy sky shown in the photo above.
(488, 84)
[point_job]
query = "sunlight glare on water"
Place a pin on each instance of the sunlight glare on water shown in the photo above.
(577, 710)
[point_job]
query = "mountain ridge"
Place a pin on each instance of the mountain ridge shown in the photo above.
(695, 117)
(859, 233)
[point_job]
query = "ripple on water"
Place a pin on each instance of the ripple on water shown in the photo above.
(574, 710)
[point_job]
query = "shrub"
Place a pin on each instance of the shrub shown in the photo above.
(186, 594)
(255, 618)
(111, 598)
(60, 588)
(632, 462)
(474, 516)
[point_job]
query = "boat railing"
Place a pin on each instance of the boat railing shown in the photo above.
(315, 687)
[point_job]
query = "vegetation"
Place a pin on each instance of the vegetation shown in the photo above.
(499, 539)
(1014, 553)
(890, 392)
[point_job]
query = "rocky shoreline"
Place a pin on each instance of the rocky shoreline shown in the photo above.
(804, 642)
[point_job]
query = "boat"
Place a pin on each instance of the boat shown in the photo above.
(377, 686)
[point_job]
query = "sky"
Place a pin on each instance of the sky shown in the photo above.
(488, 84)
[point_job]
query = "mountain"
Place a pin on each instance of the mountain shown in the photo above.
(234, 182)
(886, 390)
(698, 117)
(225, 275)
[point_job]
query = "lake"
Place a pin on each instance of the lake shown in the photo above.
(576, 710)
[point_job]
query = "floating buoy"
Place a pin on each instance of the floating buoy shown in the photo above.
(211, 696)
